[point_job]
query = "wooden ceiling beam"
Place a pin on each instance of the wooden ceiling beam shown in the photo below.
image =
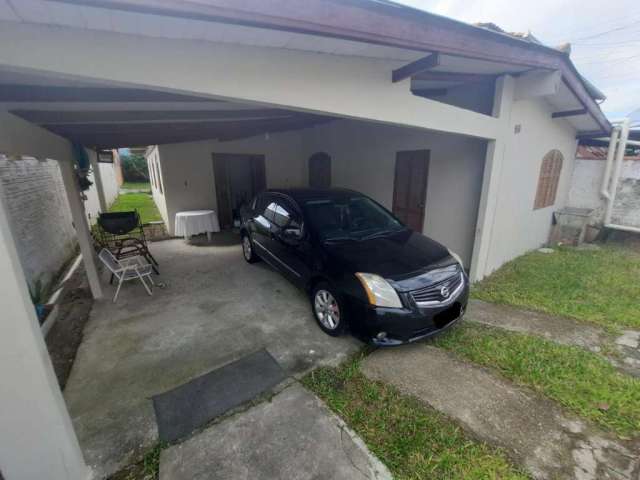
(422, 65)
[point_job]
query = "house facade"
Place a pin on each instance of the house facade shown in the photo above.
(468, 132)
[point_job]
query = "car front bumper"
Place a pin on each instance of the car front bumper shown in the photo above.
(398, 326)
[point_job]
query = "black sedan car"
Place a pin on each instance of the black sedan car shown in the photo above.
(362, 268)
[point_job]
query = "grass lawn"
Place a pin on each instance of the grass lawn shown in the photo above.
(412, 440)
(600, 286)
(581, 381)
(142, 202)
(146, 186)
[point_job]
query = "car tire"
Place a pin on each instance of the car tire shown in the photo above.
(248, 252)
(328, 309)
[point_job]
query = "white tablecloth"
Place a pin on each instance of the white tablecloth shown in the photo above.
(195, 222)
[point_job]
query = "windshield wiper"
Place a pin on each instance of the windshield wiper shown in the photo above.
(339, 239)
(382, 233)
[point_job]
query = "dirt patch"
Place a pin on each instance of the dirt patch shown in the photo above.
(66, 334)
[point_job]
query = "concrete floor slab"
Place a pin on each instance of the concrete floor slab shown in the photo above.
(535, 431)
(214, 309)
(293, 436)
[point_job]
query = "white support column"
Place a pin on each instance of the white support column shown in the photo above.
(82, 226)
(97, 178)
(502, 103)
(37, 439)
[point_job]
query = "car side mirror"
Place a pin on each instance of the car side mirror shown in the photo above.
(292, 233)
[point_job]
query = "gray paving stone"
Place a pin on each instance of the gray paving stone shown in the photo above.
(534, 431)
(293, 437)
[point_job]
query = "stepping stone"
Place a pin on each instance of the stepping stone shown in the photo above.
(533, 430)
(560, 330)
(293, 436)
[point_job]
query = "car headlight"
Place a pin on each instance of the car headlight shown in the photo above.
(457, 257)
(379, 292)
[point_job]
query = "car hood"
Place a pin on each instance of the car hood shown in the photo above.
(396, 256)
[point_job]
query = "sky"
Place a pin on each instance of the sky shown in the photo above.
(605, 37)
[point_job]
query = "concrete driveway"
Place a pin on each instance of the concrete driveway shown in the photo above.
(214, 309)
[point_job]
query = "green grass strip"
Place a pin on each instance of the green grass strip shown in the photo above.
(146, 186)
(142, 202)
(600, 286)
(411, 439)
(581, 381)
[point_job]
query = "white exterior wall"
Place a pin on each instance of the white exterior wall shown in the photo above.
(585, 191)
(36, 435)
(517, 227)
(364, 158)
(187, 169)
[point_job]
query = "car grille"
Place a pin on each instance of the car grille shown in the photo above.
(439, 293)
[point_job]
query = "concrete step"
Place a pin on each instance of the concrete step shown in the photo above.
(294, 436)
(561, 330)
(533, 430)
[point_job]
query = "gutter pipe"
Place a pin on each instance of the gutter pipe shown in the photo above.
(610, 195)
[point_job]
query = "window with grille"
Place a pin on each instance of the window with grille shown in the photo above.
(548, 180)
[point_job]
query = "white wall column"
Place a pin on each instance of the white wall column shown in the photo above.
(82, 226)
(37, 439)
(97, 178)
(502, 103)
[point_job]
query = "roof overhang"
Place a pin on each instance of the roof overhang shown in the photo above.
(380, 23)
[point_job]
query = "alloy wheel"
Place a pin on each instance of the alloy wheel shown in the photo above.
(246, 247)
(326, 309)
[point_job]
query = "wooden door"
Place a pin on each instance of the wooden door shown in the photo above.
(320, 170)
(256, 177)
(410, 187)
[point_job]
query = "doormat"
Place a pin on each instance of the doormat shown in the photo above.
(190, 406)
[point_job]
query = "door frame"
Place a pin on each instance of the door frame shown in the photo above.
(427, 160)
(222, 184)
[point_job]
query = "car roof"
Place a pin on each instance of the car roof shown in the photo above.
(303, 195)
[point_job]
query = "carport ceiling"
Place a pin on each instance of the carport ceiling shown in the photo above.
(102, 116)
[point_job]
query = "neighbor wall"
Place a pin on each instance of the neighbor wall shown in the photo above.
(109, 176)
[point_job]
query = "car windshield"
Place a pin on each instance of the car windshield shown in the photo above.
(356, 218)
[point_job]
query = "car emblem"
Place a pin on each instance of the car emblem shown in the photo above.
(444, 292)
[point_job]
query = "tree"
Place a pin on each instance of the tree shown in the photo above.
(134, 168)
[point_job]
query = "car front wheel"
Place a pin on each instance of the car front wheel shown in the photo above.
(327, 310)
(247, 249)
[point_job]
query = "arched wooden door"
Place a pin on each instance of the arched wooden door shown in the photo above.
(320, 170)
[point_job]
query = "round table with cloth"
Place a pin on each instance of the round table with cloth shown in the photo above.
(195, 222)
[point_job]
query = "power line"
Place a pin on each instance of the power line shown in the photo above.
(606, 60)
(591, 28)
(607, 32)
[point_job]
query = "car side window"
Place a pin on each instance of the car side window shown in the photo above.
(281, 216)
(262, 212)
(270, 211)
(287, 215)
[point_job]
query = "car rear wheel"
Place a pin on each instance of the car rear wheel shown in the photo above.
(327, 310)
(247, 249)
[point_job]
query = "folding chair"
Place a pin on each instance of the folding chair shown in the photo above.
(130, 268)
